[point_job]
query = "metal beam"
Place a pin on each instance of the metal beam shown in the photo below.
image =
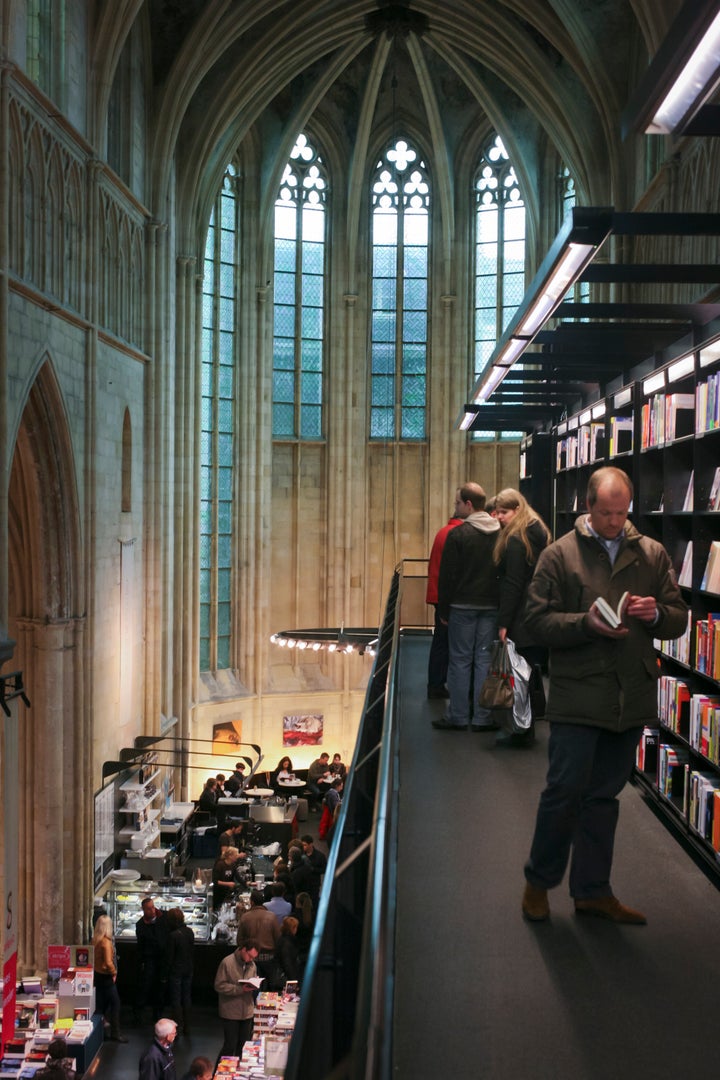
(698, 314)
(652, 273)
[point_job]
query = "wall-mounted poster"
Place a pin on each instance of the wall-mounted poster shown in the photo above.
(303, 729)
(226, 737)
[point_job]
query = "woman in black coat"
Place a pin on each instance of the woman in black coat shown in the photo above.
(523, 536)
(179, 954)
(287, 952)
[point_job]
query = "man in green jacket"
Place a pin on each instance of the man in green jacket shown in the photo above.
(603, 690)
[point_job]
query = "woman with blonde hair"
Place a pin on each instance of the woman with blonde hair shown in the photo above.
(523, 535)
(105, 975)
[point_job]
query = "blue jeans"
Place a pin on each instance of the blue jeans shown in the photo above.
(587, 769)
(471, 632)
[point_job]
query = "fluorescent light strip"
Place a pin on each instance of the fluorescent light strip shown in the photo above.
(514, 348)
(598, 410)
(684, 366)
(585, 417)
(493, 379)
(623, 397)
(710, 353)
(691, 83)
(467, 421)
(655, 382)
(557, 285)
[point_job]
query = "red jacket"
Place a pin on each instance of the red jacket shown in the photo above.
(431, 595)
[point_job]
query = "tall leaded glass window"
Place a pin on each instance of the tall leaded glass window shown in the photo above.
(499, 249)
(44, 44)
(300, 213)
(400, 230)
(216, 443)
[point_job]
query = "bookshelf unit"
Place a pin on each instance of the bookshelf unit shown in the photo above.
(536, 471)
(663, 430)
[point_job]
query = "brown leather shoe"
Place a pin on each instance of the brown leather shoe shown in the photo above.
(535, 905)
(609, 907)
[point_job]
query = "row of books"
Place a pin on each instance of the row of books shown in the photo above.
(694, 792)
(26, 1053)
(621, 435)
(707, 404)
(266, 1053)
(707, 645)
(696, 717)
(666, 417)
(678, 648)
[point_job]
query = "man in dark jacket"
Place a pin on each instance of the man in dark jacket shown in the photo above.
(468, 594)
(438, 658)
(603, 690)
(151, 932)
(158, 1063)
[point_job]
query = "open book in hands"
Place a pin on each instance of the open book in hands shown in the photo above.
(613, 616)
(255, 982)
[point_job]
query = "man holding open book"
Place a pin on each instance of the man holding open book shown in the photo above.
(603, 689)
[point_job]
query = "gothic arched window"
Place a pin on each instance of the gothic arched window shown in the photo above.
(499, 252)
(216, 440)
(400, 233)
(300, 214)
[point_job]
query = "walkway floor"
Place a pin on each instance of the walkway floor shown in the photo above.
(481, 993)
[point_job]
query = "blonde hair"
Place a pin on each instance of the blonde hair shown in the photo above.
(103, 929)
(510, 499)
(230, 853)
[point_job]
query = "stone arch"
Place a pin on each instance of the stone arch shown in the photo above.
(45, 605)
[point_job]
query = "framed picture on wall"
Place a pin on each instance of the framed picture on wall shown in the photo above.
(303, 729)
(225, 737)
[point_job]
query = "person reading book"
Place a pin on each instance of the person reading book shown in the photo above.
(236, 997)
(603, 690)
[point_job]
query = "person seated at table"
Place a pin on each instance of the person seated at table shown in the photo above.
(221, 793)
(282, 771)
(226, 875)
(236, 781)
(209, 797)
(337, 768)
(318, 774)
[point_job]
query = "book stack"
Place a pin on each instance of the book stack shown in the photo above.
(621, 435)
(671, 771)
(647, 751)
(702, 787)
(707, 404)
(705, 726)
(674, 704)
(267, 1007)
(678, 648)
(679, 416)
(707, 645)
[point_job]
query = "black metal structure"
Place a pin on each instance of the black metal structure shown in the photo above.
(582, 348)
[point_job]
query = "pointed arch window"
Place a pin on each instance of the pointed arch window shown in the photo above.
(399, 335)
(299, 286)
(44, 45)
(219, 303)
(499, 252)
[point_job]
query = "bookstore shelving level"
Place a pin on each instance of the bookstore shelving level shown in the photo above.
(664, 431)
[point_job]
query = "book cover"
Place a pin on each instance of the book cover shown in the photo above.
(685, 575)
(711, 577)
(714, 497)
(613, 616)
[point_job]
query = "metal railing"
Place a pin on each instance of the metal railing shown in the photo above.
(344, 1023)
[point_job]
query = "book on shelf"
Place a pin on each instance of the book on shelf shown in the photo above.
(621, 435)
(711, 577)
(647, 751)
(674, 703)
(671, 770)
(685, 575)
(701, 789)
(677, 648)
(707, 404)
(714, 496)
(689, 500)
(679, 416)
(613, 616)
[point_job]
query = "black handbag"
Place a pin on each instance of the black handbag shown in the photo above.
(497, 691)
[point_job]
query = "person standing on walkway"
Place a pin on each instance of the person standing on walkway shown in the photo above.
(523, 535)
(105, 976)
(236, 998)
(603, 690)
(438, 658)
(468, 595)
(158, 1062)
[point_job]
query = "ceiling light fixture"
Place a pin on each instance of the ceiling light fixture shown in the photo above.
(333, 639)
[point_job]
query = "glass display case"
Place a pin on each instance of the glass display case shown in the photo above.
(123, 905)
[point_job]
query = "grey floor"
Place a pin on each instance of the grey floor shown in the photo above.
(480, 993)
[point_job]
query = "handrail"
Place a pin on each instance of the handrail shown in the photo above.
(343, 1029)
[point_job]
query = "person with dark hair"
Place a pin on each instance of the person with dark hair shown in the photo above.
(151, 932)
(318, 772)
(209, 797)
(317, 862)
(304, 912)
(236, 781)
(301, 873)
(523, 535)
(105, 976)
(158, 1062)
(286, 951)
(468, 595)
(260, 925)
(236, 997)
(277, 904)
(180, 948)
(201, 1068)
(603, 690)
(337, 768)
(60, 1064)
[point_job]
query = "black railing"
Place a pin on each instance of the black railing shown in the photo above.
(344, 1022)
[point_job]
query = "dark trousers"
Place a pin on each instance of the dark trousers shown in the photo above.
(151, 988)
(587, 769)
(107, 1000)
(438, 658)
(236, 1034)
